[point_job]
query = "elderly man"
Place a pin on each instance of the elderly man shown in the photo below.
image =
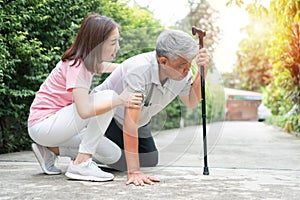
(160, 76)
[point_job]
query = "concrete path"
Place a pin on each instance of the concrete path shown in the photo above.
(247, 160)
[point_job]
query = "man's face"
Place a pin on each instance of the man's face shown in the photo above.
(175, 69)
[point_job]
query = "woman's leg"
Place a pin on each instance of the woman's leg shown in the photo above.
(66, 123)
(83, 168)
(50, 132)
(107, 152)
(58, 128)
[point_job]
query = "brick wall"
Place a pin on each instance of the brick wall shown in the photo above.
(242, 110)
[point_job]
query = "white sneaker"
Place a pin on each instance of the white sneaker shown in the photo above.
(87, 171)
(46, 158)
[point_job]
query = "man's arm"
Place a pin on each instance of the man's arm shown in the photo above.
(130, 134)
(193, 99)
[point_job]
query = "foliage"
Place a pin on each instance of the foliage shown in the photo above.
(33, 36)
(237, 2)
(215, 107)
(140, 35)
(278, 120)
(231, 80)
(203, 15)
(168, 118)
(284, 52)
(295, 123)
(277, 47)
(252, 65)
(288, 124)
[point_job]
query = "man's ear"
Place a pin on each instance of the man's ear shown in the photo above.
(162, 60)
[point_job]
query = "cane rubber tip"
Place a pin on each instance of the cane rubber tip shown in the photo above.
(205, 171)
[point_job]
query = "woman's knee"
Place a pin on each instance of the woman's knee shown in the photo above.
(107, 152)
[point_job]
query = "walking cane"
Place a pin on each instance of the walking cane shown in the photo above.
(201, 34)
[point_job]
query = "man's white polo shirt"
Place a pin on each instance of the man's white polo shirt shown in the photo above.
(141, 74)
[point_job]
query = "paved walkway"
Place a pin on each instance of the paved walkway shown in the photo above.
(247, 160)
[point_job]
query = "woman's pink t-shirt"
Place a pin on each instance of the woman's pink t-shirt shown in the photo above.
(56, 92)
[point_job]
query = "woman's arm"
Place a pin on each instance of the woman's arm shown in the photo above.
(88, 107)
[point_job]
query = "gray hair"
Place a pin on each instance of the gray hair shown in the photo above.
(175, 43)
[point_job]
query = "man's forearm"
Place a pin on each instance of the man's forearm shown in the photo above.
(195, 93)
(130, 134)
(131, 153)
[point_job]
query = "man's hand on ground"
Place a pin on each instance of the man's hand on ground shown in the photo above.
(140, 179)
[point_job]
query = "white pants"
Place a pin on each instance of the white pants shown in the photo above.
(72, 134)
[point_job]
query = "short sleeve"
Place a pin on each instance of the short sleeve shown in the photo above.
(77, 77)
(136, 79)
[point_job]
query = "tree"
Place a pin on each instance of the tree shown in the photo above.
(253, 66)
(284, 50)
(282, 94)
(231, 80)
(202, 15)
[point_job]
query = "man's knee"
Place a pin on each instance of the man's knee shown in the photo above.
(149, 159)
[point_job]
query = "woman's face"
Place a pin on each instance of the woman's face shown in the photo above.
(111, 46)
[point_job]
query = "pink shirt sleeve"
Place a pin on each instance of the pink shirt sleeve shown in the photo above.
(77, 77)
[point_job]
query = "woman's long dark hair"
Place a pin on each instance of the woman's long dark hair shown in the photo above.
(94, 30)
